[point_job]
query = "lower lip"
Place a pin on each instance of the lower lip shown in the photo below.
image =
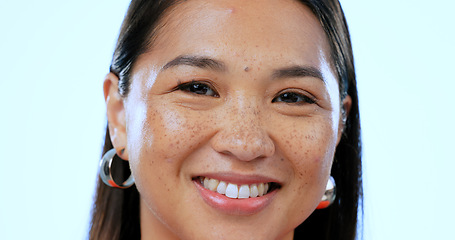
(234, 206)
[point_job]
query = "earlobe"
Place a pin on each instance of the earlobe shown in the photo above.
(345, 109)
(115, 115)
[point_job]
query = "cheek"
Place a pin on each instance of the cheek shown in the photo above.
(161, 139)
(162, 142)
(178, 133)
(310, 140)
(162, 132)
(309, 146)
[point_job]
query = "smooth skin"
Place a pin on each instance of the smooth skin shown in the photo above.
(243, 110)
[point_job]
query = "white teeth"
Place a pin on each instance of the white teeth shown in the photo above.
(233, 190)
(244, 191)
(260, 189)
(221, 189)
(213, 184)
(254, 190)
(206, 182)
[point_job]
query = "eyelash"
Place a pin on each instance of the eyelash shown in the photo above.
(295, 97)
(201, 88)
(197, 87)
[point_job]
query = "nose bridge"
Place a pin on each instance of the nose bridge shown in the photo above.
(242, 132)
(245, 122)
(245, 110)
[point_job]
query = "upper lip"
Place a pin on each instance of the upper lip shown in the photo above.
(239, 179)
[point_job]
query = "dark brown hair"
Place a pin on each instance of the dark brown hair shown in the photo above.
(115, 213)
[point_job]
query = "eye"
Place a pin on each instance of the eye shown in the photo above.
(294, 98)
(197, 87)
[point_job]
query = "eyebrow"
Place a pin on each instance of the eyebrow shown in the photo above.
(217, 65)
(196, 61)
(298, 71)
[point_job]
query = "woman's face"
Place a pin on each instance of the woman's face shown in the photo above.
(241, 92)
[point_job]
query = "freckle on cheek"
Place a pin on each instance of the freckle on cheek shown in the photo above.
(309, 137)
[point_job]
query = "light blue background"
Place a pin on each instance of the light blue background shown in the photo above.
(54, 55)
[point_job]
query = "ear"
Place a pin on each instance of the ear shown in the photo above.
(345, 109)
(115, 115)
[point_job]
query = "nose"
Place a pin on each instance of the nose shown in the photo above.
(242, 135)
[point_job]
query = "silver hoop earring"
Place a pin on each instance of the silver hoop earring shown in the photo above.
(105, 171)
(329, 195)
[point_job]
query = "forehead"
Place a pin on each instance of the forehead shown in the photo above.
(265, 28)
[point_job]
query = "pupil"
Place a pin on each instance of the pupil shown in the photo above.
(198, 88)
(290, 97)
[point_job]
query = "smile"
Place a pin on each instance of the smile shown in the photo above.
(232, 190)
(236, 194)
